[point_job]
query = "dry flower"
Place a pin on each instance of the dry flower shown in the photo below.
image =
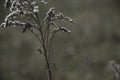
(29, 9)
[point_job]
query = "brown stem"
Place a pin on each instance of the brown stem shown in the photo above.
(48, 64)
(45, 50)
(46, 56)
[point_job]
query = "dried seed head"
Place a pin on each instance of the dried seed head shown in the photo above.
(26, 27)
(13, 6)
(60, 28)
(36, 9)
(7, 3)
(64, 29)
(18, 23)
(2, 25)
(60, 16)
(30, 8)
(115, 67)
(11, 16)
(34, 3)
(44, 2)
(51, 12)
(25, 4)
(50, 15)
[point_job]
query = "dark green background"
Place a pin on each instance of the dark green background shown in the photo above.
(82, 55)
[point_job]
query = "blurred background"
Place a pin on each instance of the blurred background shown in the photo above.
(82, 55)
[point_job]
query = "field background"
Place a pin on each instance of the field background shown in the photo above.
(82, 55)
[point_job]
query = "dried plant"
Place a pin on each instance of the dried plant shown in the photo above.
(116, 69)
(44, 30)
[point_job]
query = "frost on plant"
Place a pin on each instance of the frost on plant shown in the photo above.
(47, 28)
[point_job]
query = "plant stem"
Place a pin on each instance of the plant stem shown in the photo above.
(48, 65)
(46, 55)
(44, 46)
